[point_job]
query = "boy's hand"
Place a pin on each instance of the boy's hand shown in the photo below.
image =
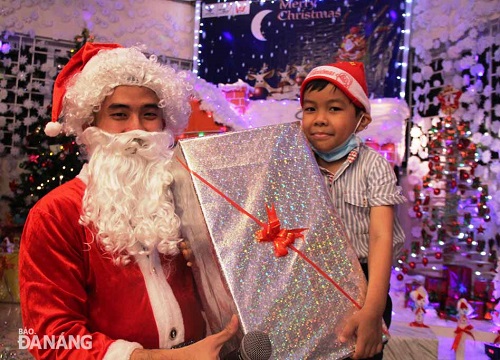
(367, 330)
(186, 251)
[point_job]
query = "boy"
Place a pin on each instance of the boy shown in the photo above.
(335, 104)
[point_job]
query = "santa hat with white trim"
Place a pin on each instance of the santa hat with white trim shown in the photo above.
(348, 76)
(96, 69)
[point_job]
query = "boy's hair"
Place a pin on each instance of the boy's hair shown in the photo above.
(320, 84)
(349, 77)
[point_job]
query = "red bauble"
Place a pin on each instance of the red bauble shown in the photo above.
(418, 214)
(416, 208)
(400, 277)
(437, 191)
(412, 265)
(404, 270)
(425, 261)
(438, 255)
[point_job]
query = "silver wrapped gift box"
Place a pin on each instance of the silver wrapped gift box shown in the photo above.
(224, 188)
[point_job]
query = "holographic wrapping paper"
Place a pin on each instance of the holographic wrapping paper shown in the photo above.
(301, 311)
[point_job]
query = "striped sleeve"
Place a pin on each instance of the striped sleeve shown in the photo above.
(382, 188)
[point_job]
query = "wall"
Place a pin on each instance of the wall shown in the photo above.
(166, 27)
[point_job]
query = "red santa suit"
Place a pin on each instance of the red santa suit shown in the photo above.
(69, 285)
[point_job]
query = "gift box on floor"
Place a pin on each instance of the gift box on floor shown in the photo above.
(225, 187)
(483, 289)
(479, 307)
(437, 288)
(9, 280)
(459, 281)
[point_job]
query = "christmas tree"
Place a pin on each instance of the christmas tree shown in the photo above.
(451, 204)
(49, 161)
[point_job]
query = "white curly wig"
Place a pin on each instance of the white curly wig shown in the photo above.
(82, 91)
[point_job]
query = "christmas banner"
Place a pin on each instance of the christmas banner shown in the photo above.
(273, 44)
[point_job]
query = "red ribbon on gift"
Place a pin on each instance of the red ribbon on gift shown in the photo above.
(272, 232)
(459, 331)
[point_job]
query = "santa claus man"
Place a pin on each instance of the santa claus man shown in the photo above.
(100, 269)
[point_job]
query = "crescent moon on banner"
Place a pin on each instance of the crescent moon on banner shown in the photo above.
(257, 24)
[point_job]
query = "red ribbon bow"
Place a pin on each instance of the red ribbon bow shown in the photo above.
(459, 331)
(272, 232)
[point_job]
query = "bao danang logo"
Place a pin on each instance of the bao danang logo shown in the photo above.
(28, 339)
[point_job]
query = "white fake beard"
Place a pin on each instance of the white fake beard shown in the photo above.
(128, 200)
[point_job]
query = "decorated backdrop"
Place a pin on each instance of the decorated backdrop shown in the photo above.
(273, 44)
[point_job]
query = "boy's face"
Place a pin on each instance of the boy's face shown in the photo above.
(130, 108)
(329, 118)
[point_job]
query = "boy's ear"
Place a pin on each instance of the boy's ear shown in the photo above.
(364, 121)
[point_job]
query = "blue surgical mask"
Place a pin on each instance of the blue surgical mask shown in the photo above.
(342, 150)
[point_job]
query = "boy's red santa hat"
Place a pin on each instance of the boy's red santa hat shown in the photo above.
(96, 69)
(348, 76)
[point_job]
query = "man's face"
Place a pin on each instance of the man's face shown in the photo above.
(130, 108)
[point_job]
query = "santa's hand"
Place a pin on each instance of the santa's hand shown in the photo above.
(206, 349)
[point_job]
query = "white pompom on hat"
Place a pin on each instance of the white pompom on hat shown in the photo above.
(348, 76)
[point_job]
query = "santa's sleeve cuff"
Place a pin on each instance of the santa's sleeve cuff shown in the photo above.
(121, 350)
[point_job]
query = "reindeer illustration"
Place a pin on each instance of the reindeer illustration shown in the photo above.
(287, 86)
(301, 71)
(262, 87)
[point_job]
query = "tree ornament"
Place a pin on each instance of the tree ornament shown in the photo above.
(449, 99)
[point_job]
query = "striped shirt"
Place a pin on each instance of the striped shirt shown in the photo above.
(364, 180)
